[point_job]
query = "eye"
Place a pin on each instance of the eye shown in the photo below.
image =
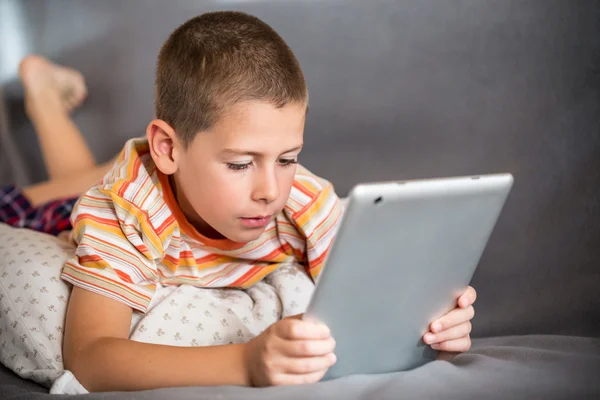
(238, 167)
(287, 162)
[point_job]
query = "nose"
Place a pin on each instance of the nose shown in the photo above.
(266, 187)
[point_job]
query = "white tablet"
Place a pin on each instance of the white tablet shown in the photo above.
(404, 252)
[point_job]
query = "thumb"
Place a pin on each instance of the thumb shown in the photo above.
(309, 319)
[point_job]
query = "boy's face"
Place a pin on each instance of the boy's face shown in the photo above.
(233, 179)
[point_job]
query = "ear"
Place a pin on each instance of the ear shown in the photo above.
(164, 146)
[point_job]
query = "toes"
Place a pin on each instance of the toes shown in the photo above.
(36, 72)
(78, 89)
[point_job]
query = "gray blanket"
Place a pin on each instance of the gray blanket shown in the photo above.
(513, 367)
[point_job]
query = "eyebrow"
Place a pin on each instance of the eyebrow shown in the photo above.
(239, 152)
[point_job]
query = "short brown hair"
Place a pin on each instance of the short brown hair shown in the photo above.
(218, 59)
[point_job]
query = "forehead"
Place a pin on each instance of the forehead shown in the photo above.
(254, 125)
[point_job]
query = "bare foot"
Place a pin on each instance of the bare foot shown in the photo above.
(42, 78)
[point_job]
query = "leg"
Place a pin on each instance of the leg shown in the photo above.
(72, 186)
(51, 91)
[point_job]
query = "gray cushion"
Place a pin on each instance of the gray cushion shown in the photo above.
(526, 367)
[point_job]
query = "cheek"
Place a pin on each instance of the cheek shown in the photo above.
(286, 181)
(224, 187)
(206, 184)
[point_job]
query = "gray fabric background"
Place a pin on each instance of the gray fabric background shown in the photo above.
(399, 89)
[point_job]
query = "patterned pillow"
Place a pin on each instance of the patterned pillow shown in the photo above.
(33, 302)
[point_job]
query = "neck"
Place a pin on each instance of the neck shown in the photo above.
(188, 211)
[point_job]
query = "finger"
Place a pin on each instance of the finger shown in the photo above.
(467, 298)
(308, 365)
(453, 318)
(455, 332)
(308, 348)
(297, 329)
(457, 345)
(298, 379)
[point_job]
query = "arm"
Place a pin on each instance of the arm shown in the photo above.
(98, 352)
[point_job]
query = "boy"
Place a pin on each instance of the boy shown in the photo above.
(212, 197)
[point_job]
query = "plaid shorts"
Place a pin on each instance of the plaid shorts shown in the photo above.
(52, 217)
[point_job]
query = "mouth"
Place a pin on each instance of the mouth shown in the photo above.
(256, 222)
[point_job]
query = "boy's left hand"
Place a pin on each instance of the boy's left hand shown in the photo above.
(450, 333)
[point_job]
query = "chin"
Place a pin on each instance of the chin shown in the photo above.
(244, 237)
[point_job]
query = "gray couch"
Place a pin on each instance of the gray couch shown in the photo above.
(399, 89)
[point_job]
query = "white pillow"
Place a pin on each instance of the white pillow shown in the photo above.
(33, 303)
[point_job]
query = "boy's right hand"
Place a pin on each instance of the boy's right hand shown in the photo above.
(291, 351)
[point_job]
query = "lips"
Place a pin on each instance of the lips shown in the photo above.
(256, 222)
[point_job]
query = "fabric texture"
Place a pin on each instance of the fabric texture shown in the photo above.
(33, 303)
(131, 235)
(496, 368)
(17, 210)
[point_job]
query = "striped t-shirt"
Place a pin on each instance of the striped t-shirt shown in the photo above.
(131, 234)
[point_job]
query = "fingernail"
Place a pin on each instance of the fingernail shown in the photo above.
(436, 327)
(435, 346)
(333, 359)
(429, 338)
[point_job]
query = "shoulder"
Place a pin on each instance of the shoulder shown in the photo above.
(128, 203)
(133, 180)
(130, 190)
(310, 193)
